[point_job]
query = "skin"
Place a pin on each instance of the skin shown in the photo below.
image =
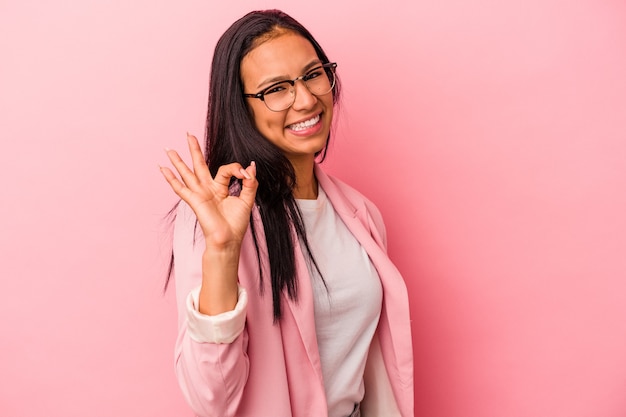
(284, 58)
(224, 219)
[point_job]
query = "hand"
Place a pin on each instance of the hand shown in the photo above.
(223, 218)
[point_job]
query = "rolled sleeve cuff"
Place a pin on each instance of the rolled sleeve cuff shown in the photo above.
(221, 328)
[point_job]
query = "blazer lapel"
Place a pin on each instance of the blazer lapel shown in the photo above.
(303, 311)
(360, 224)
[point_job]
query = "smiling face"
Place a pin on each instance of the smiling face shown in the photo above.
(302, 130)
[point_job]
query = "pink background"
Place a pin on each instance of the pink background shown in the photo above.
(491, 135)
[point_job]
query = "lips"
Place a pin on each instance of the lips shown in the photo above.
(305, 124)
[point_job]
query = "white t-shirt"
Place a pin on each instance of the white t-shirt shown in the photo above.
(347, 309)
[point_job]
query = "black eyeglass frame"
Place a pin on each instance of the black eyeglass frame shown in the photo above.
(329, 66)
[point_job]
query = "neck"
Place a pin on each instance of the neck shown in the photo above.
(306, 183)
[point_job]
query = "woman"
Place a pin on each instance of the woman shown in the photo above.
(288, 303)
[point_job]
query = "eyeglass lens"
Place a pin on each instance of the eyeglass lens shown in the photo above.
(281, 96)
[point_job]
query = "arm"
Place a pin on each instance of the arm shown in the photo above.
(212, 369)
(211, 373)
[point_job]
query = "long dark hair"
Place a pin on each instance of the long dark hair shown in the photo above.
(231, 136)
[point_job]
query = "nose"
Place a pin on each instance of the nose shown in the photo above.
(304, 98)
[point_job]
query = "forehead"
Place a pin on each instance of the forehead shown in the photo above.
(284, 55)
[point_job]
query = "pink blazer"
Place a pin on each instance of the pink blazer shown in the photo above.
(273, 370)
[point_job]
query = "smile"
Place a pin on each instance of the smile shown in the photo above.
(305, 124)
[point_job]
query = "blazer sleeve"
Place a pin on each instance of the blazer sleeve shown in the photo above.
(211, 375)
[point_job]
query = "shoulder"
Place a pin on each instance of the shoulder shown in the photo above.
(334, 184)
(353, 194)
(186, 230)
(349, 198)
(185, 216)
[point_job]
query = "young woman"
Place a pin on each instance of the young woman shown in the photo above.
(288, 302)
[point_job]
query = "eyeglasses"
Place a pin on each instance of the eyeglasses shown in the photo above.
(281, 95)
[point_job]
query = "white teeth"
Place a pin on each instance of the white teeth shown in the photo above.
(305, 124)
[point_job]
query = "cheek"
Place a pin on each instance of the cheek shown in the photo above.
(329, 107)
(269, 124)
(258, 116)
(268, 120)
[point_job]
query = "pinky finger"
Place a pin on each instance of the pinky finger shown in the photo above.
(177, 186)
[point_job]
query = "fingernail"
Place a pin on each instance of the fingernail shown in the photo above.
(166, 149)
(244, 173)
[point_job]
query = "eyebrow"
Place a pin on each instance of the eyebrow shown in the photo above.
(280, 78)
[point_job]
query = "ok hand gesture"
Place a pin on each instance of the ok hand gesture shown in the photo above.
(222, 217)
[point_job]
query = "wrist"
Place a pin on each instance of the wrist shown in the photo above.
(222, 255)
